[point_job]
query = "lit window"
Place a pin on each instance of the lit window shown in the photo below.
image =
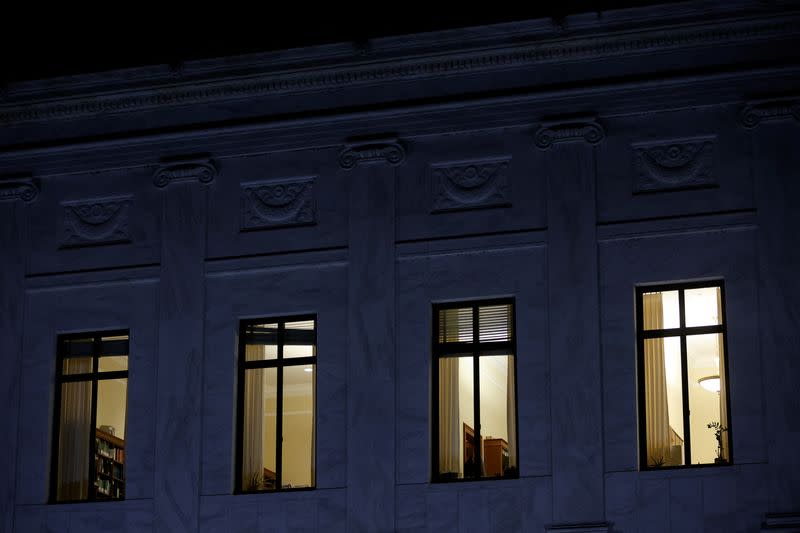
(89, 435)
(683, 393)
(277, 368)
(474, 401)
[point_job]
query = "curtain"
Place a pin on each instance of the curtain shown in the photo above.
(74, 433)
(657, 410)
(449, 417)
(511, 415)
(253, 439)
(723, 386)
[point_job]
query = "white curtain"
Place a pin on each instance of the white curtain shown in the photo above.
(74, 433)
(253, 439)
(449, 417)
(657, 410)
(723, 386)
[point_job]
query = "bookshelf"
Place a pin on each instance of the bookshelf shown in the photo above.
(109, 461)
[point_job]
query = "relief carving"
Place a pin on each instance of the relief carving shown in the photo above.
(202, 170)
(278, 203)
(24, 189)
(677, 164)
(755, 113)
(391, 152)
(101, 221)
(470, 184)
(577, 130)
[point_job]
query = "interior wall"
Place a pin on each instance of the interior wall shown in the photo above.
(111, 405)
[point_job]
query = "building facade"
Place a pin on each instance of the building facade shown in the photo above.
(168, 234)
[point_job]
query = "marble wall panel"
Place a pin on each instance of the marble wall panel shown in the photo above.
(278, 202)
(86, 308)
(263, 292)
(470, 183)
(670, 163)
(629, 260)
(510, 506)
(103, 219)
(517, 271)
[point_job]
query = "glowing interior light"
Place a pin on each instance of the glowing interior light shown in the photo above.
(308, 369)
(709, 383)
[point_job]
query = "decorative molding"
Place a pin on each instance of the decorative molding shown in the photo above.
(674, 164)
(391, 152)
(781, 522)
(579, 528)
(572, 130)
(24, 189)
(273, 204)
(97, 221)
(202, 170)
(470, 184)
(755, 113)
(224, 84)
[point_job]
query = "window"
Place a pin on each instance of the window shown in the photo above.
(474, 400)
(683, 392)
(276, 437)
(91, 394)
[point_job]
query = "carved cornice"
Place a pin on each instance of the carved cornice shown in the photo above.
(222, 85)
(755, 113)
(202, 170)
(19, 189)
(569, 130)
(391, 152)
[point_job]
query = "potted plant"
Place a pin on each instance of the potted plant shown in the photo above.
(719, 429)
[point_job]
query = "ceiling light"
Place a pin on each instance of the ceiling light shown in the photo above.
(709, 383)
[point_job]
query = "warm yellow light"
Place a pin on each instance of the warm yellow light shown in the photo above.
(709, 383)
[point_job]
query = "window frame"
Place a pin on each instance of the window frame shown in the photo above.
(682, 332)
(444, 350)
(93, 377)
(279, 363)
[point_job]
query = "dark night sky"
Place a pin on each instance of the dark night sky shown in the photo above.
(96, 41)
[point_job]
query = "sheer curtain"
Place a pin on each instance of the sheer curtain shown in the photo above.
(449, 417)
(74, 433)
(253, 439)
(657, 410)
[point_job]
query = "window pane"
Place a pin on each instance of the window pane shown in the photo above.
(109, 480)
(498, 421)
(77, 365)
(494, 323)
(455, 325)
(259, 439)
(663, 402)
(113, 363)
(298, 339)
(261, 342)
(706, 397)
(660, 310)
(703, 306)
(114, 345)
(456, 418)
(73, 441)
(77, 347)
(298, 427)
